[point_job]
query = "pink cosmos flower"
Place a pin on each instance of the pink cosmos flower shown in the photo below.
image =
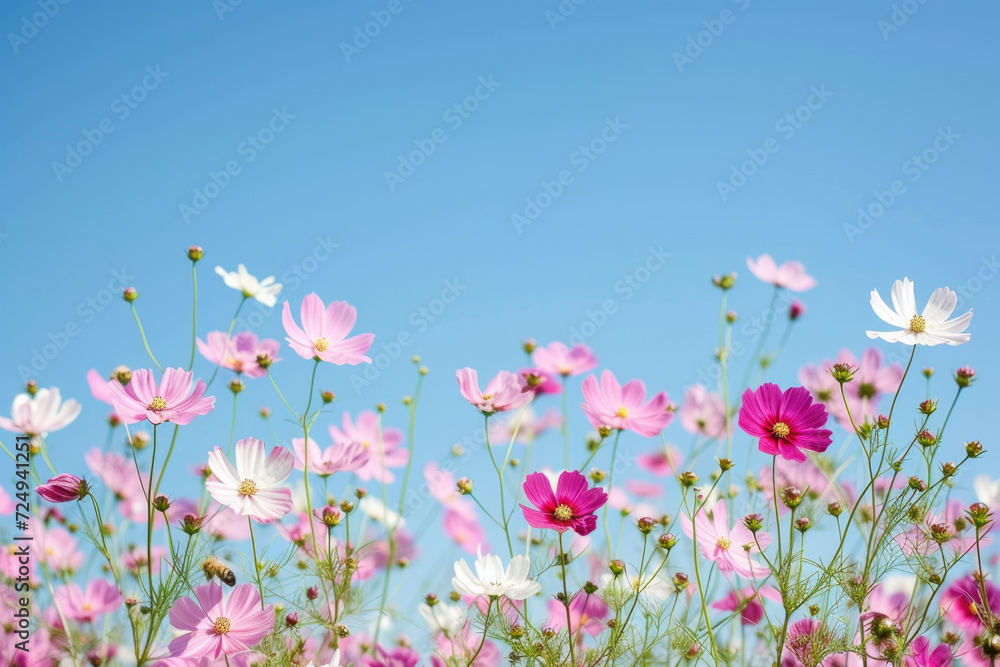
(871, 382)
(62, 488)
(923, 656)
(170, 401)
(40, 414)
(300, 533)
(749, 602)
(56, 548)
(240, 352)
(98, 386)
(441, 485)
(336, 458)
(461, 524)
(619, 500)
(703, 412)
(401, 656)
(586, 614)
(791, 274)
(542, 383)
(729, 549)
(806, 476)
(384, 453)
(217, 625)
(529, 427)
(254, 487)
(324, 332)
(222, 523)
(785, 423)
(961, 600)
(136, 560)
(6, 504)
(662, 461)
(503, 392)
(609, 404)
(558, 359)
(572, 505)
(644, 489)
(99, 598)
(461, 647)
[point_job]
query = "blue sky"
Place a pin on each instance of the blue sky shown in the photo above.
(628, 118)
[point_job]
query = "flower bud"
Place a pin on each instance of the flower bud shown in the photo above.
(264, 412)
(814, 610)
(130, 294)
(454, 596)
(796, 309)
(928, 407)
(161, 503)
(917, 484)
(63, 488)
(464, 486)
(605, 431)
(195, 253)
(842, 372)
(688, 479)
(346, 506)
(31, 387)
(725, 282)
(360, 492)
(431, 599)
(928, 372)
(680, 581)
(342, 631)
(973, 449)
(380, 407)
(236, 385)
(645, 525)
(926, 438)
(753, 522)
(940, 533)
(792, 497)
(312, 592)
(516, 631)
(666, 541)
(835, 508)
(292, 619)
(329, 516)
(979, 514)
(864, 429)
(948, 469)
(589, 588)
(882, 422)
(327, 396)
(964, 376)
(725, 464)
(802, 524)
(192, 524)
(596, 475)
(616, 567)
(731, 317)
(457, 449)
(529, 345)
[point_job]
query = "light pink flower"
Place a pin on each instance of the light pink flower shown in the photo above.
(56, 548)
(703, 412)
(217, 625)
(240, 352)
(100, 597)
(503, 392)
(170, 401)
(385, 451)
(254, 487)
(529, 427)
(572, 505)
(586, 614)
(223, 523)
(791, 274)
(463, 527)
(558, 359)
(40, 414)
(324, 332)
(662, 461)
(609, 404)
(98, 386)
(644, 489)
(544, 382)
(441, 484)
(335, 458)
(136, 560)
(727, 548)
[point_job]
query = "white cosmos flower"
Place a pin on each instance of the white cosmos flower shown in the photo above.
(335, 662)
(491, 579)
(987, 490)
(449, 618)
(930, 327)
(378, 511)
(40, 414)
(265, 291)
(656, 589)
(254, 487)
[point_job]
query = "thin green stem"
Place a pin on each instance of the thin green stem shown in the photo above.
(499, 471)
(611, 479)
(232, 426)
(149, 525)
(566, 601)
(565, 423)
(229, 332)
(486, 626)
(142, 333)
(194, 314)
(256, 563)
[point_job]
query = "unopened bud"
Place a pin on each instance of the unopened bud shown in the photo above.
(964, 376)
(464, 486)
(292, 619)
(666, 541)
(688, 479)
(926, 438)
(130, 294)
(753, 522)
(645, 525)
(596, 476)
(236, 386)
(327, 396)
(973, 449)
(927, 407)
(616, 567)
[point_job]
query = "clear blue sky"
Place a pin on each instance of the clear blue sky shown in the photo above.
(677, 119)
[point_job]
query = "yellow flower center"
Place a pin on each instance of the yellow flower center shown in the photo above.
(780, 430)
(724, 542)
(563, 513)
(918, 324)
(247, 487)
(321, 344)
(222, 625)
(487, 397)
(366, 444)
(157, 403)
(622, 412)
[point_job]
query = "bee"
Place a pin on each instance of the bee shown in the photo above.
(214, 567)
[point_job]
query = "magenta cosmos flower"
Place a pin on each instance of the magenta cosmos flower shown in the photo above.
(923, 656)
(730, 550)
(502, 393)
(558, 359)
(609, 404)
(239, 353)
(170, 401)
(216, 625)
(254, 486)
(324, 332)
(570, 506)
(63, 488)
(749, 602)
(791, 274)
(785, 423)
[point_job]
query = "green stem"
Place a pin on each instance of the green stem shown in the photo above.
(256, 563)
(611, 478)
(194, 314)
(232, 426)
(149, 525)
(499, 471)
(142, 333)
(566, 601)
(229, 332)
(486, 625)
(565, 425)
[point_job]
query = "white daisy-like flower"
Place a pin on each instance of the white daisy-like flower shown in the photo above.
(448, 618)
(266, 290)
(254, 487)
(654, 589)
(40, 414)
(493, 580)
(930, 327)
(378, 511)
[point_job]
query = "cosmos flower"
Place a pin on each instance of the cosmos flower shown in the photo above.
(558, 359)
(611, 405)
(493, 580)
(266, 291)
(791, 275)
(324, 332)
(447, 618)
(929, 327)
(729, 549)
(384, 445)
(63, 488)
(461, 524)
(662, 461)
(40, 414)
(749, 601)
(254, 486)
(586, 614)
(336, 458)
(171, 401)
(571, 506)
(239, 353)
(529, 427)
(100, 597)
(502, 393)
(785, 423)
(962, 602)
(703, 412)
(216, 625)
(923, 656)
